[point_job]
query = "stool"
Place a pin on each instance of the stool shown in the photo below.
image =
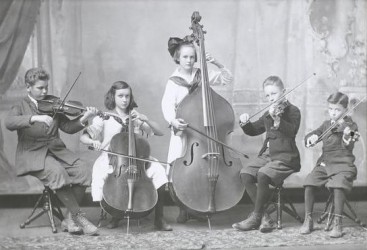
(50, 205)
(328, 213)
(281, 203)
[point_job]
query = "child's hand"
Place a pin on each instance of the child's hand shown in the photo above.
(89, 113)
(135, 115)
(209, 57)
(42, 118)
(311, 140)
(96, 144)
(179, 124)
(244, 118)
(347, 131)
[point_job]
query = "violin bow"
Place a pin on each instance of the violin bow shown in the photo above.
(219, 142)
(281, 97)
(64, 99)
(128, 156)
(347, 112)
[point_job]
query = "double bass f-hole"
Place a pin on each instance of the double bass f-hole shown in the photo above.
(191, 154)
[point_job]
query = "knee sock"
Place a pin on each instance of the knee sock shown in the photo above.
(250, 186)
(66, 196)
(263, 190)
(339, 199)
(160, 203)
(79, 192)
(309, 199)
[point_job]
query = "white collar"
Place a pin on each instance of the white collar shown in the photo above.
(177, 73)
(33, 100)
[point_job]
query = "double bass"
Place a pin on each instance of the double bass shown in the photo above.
(128, 192)
(206, 180)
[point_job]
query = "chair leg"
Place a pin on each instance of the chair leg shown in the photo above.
(291, 210)
(325, 213)
(330, 217)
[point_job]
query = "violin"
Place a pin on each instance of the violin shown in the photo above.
(279, 108)
(52, 105)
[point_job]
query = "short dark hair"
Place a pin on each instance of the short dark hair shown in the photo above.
(176, 55)
(36, 74)
(339, 98)
(273, 80)
(109, 99)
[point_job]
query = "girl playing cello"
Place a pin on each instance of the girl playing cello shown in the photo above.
(119, 100)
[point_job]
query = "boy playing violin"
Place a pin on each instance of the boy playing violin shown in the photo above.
(335, 168)
(42, 154)
(278, 157)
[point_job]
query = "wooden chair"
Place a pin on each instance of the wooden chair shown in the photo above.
(328, 213)
(279, 202)
(50, 205)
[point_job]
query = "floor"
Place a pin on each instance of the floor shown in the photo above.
(10, 218)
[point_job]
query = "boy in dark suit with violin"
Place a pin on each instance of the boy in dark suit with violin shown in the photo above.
(335, 168)
(278, 158)
(42, 154)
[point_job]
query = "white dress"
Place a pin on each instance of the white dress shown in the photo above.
(174, 94)
(104, 130)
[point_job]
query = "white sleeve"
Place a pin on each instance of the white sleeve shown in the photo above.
(169, 102)
(95, 129)
(221, 77)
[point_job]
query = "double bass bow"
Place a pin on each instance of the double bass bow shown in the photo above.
(206, 179)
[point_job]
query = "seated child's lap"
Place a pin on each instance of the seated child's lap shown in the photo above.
(276, 170)
(320, 176)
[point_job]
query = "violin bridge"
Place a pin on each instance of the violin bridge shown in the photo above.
(210, 154)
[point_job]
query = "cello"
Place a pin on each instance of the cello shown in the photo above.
(206, 180)
(128, 192)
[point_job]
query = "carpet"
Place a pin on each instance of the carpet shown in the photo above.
(190, 239)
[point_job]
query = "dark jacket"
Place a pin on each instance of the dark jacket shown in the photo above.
(335, 152)
(33, 140)
(282, 144)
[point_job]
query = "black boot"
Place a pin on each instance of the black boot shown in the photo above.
(337, 231)
(159, 222)
(267, 224)
(307, 226)
(252, 222)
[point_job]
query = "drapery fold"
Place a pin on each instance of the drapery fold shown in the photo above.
(17, 20)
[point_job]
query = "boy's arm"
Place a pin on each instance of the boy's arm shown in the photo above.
(16, 120)
(70, 126)
(254, 128)
(317, 131)
(291, 127)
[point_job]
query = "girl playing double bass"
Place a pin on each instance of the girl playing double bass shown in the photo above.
(119, 99)
(182, 82)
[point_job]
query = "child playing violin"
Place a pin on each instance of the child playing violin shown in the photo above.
(278, 157)
(119, 99)
(185, 79)
(42, 154)
(335, 168)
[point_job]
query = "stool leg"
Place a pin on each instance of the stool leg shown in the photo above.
(354, 215)
(279, 209)
(102, 217)
(325, 213)
(292, 210)
(49, 208)
(329, 218)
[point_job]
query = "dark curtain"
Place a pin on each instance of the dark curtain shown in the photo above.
(17, 20)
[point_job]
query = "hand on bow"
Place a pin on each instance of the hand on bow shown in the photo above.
(311, 140)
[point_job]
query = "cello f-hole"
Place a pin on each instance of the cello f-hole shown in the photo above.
(191, 154)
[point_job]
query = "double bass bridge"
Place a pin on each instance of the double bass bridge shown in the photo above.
(212, 155)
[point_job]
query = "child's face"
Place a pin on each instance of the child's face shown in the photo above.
(335, 111)
(122, 98)
(273, 93)
(39, 90)
(187, 57)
